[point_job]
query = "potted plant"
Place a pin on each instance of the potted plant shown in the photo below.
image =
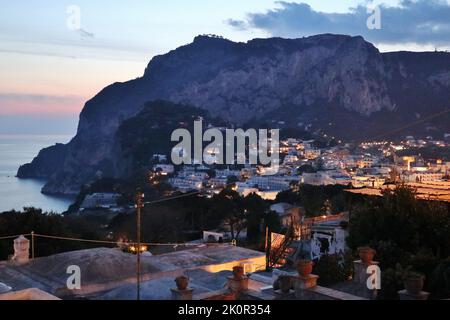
(414, 282)
(366, 254)
(238, 272)
(304, 268)
(182, 282)
(285, 283)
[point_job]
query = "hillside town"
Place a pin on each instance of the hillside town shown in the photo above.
(366, 168)
(368, 165)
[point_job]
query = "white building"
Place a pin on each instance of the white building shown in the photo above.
(218, 182)
(367, 181)
(100, 200)
(312, 154)
(186, 184)
(324, 236)
(327, 238)
(288, 213)
(164, 169)
(274, 182)
(160, 157)
(426, 176)
(228, 173)
(320, 178)
(289, 159)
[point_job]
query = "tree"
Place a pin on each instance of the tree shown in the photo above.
(228, 205)
(162, 223)
(272, 221)
(255, 209)
(404, 221)
(405, 231)
(312, 198)
(332, 269)
(440, 280)
(32, 219)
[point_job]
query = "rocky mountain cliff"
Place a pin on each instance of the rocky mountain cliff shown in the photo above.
(340, 84)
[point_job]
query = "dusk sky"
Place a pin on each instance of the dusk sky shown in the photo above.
(48, 70)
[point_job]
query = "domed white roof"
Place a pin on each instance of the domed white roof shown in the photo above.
(4, 288)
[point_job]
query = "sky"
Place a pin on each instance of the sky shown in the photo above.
(55, 55)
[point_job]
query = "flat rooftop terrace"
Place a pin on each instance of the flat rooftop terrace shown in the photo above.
(435, 190)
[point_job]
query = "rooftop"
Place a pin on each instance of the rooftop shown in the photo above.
(105, 269)
(433, 190)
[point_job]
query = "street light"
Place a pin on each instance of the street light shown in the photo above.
(139, 205)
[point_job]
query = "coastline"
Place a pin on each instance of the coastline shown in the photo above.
(17, 193)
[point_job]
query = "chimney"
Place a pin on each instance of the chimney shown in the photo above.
(182, 292)
(21, 251)
(238, 282)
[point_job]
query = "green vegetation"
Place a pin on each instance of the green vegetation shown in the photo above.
(150, 131)
(312, 198)
(407, 233)
(185, 218)
(31, 219)
(332, 269)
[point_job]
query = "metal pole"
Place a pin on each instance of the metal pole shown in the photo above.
(139, 253)
(267, 249)
(139, 206)
(32, 245)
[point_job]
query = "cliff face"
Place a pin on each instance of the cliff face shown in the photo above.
(325, 80)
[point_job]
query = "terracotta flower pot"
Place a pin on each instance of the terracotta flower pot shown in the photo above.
(285, 283)
(182, 282)
(229, 296)
(414, 283)
(366, 254)
(304, 268)
(238, 272)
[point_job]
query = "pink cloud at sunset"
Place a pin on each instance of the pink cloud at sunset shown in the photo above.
(14, 104)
